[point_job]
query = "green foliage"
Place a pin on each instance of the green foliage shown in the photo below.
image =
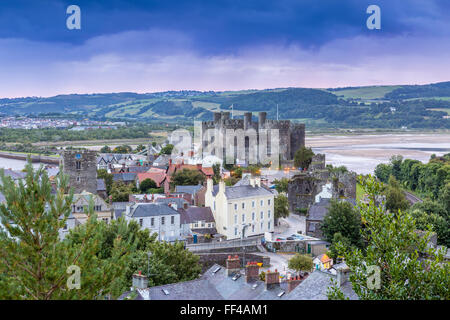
(395, 197)
(187, 177)
(338, 242)
(409, 268)
(428, 179)
(281, 206)
(281, 185)
(120, 191)
(167, 149)
(147, 184)
(216, 176)
(303, 157)
(33, 260)
(300, 262)
(122, 149)
(105, 149)
(108, 177)
(433, 214)
(342, 218)
(162, 262)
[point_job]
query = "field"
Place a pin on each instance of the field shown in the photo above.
(365, 93)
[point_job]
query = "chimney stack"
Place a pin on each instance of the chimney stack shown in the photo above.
(233, 265)
(293, 282)
(272, 279)
(221, 186)
(252, 271)
(140, 281)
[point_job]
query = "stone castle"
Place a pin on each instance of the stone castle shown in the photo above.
(291, 135)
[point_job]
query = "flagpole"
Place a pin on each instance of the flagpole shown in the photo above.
(277, 111)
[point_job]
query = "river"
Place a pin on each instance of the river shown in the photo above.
(360, 153)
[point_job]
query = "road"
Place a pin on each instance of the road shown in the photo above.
(412, 198)
(290, 225)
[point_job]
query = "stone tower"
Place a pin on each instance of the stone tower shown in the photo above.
(81, 166)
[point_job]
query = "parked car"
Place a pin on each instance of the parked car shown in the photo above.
(280, 239)
(290, 238)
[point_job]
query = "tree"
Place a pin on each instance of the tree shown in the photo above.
(281, 185)
(123, 149)
(344, 219)
(300, 262)
(107, 177)
(445, 197)
(281, 207)
(146, 185)
(167, 149)
(121, 191)
(383, 172)
(338, 242)
(408, 267)
(139, 148)
(187, 177)
(395, 197)
(105, 149)
(433, 213)
(33, 260)
(303, 157)
(216, 176)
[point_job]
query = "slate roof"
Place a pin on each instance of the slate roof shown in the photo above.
(101, 186)
(315, 286)
(141, 210)
(178, 201)
(318, 211)
(188, 189)
(119, 208)
(193, 214)
(212, 286)
(240, 289)
(124, 176)
(244, 191)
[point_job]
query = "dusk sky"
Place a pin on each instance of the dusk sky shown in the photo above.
(149, 46)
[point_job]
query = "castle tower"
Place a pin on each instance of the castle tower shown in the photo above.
(81, 167)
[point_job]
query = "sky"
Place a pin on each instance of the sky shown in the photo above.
(158, 45)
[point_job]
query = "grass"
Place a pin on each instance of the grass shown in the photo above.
(365, 93)
(32, 154)
(441, 109)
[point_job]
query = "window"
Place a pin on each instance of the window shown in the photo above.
(214, 205)
(268, 225)
(235, 206)
(203, 224)
(78, 179)
(162, 220)
(253, 204)
(253, 228)
(78, 165)
(243, 205)
(262, 203)
(65, 227)
(243, 217)
(196, 225)
(141, 222)
(98, 208)
(268, 214)
(235, 231)
(152, 222)
(172, 220)
(268, 202)
(253, 216)
(262, 215)
(235, 218)
(262, 227)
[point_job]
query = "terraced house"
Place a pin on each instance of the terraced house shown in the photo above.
(242, 210)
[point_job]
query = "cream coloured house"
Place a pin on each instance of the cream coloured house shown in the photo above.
(241, 210)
